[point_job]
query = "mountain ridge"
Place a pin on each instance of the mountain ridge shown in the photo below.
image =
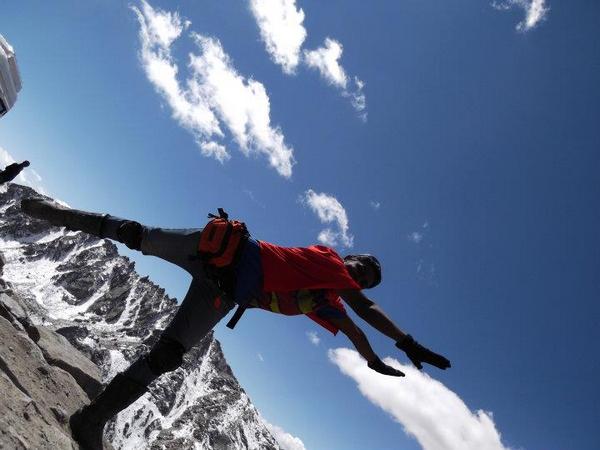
(81, 288)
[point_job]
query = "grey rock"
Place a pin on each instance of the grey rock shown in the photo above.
(60, 415)
(60, 353)
(11, 309)
(31, 391)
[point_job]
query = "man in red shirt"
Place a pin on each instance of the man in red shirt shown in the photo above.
(290, 280)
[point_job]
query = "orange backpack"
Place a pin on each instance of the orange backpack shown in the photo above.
(220, 240)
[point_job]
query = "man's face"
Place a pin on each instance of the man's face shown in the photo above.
(361, 272)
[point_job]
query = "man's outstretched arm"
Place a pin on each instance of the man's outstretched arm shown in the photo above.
(360, 341)
(371, 313)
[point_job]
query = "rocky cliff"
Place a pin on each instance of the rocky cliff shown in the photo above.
(63, 289)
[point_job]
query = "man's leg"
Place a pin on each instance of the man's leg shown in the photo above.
(202, 308)
(199, 312)
(175, 246)
(101, 225)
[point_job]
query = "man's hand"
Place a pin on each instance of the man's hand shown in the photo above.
(379, 366)
(418, 354)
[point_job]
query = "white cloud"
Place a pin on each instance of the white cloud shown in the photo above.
(425, 266)
(158, 30)
(213, 94)
(427, 272)
(427, 410)
(281, 29)
(260, 357)
(535, 11)
(313, 337)
(330, 210)
(28, 176)
(285, 440)
(243, 105)
(358, 98)
(252, 197)
(217, 151)
(375, 205)
(418, 236)
(415, 237)
(326, 61)
(328, 237)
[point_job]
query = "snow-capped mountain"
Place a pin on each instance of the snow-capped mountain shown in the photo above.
(81, 287)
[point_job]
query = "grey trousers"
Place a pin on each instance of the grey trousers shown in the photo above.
(198, 313)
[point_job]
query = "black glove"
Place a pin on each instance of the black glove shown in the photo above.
(12, 170)
(418, 354)
(379, 366)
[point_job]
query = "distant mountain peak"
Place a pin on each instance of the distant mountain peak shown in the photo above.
(81, 287)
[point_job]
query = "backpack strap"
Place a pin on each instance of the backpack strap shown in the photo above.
(237, 315)
(222, 214)
(224, 275)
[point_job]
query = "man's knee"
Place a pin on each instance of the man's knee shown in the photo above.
(130, 233)
(165, 356)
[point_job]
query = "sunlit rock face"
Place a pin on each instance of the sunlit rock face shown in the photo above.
(80, 287)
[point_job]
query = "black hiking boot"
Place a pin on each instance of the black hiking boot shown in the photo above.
(63, 216)
(87, 424)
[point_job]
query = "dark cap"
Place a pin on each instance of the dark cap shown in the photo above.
(373, 262)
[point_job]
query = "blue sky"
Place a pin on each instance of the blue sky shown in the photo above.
(456, 141)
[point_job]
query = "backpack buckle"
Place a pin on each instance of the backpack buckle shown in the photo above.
(222, 214)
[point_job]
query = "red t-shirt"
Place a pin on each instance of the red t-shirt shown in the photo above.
(293, 268)
(288, 269)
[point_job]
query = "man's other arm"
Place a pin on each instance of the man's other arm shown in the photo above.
(371, 313)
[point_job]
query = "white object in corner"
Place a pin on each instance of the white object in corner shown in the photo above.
(10, 80)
